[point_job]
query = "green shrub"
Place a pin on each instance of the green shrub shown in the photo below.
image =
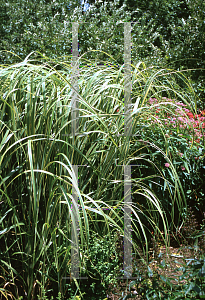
(102, 265)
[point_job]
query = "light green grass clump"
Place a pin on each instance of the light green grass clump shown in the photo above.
(37, 153)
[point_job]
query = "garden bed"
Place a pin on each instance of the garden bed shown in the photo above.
(174, 258)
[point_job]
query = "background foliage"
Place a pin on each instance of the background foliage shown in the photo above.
(164, 32)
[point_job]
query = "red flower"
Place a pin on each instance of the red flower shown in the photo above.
(190, 115)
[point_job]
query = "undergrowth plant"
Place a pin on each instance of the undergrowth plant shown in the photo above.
(158, 280)
(150, 284)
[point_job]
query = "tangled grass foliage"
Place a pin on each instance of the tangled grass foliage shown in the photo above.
(37, 154)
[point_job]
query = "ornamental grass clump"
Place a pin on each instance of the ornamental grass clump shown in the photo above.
(38, 152)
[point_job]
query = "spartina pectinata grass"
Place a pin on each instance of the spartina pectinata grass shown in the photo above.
(37, 153)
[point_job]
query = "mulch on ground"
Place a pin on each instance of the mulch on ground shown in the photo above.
(173, 257)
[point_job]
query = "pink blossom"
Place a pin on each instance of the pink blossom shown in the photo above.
(198, 134)
(167, 165)
(181, 112)
(186, 110)
(181, 104)
(183, 168)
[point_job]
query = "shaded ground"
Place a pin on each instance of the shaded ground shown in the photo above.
(173, 258)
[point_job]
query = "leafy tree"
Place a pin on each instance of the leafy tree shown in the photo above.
(167, 32)
(164, 32)
(35, 26)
